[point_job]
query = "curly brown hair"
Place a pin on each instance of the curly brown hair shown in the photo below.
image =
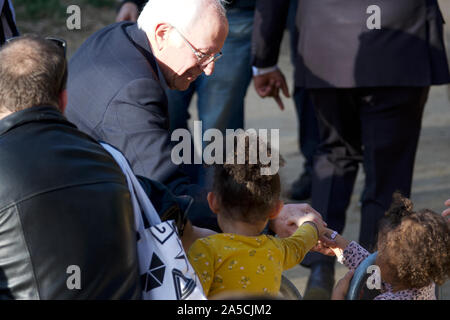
(245, 193)
(415, 246)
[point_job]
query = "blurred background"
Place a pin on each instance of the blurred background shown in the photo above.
(431, 186)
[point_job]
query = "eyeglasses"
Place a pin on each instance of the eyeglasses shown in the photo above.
(58, 41)
(202, 59)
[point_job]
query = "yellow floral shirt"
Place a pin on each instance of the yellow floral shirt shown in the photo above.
(231, 262)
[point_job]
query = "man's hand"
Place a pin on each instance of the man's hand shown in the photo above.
(128, 12)
(341, 289)
(291, 217)
(446, 212)
(294, 215)
(269, 84)
(316, 220)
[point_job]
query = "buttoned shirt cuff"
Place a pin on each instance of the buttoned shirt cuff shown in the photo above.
(261, 71)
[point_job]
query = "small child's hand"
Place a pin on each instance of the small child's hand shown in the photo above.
(338, 244)
(341, 288)
(323, 249)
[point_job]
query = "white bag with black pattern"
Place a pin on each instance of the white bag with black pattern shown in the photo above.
(166, 273)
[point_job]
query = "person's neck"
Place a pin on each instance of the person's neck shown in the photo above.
(161, 65)
(243, 228)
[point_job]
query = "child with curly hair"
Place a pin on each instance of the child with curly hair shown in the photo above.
(241, 259)
(413, 253)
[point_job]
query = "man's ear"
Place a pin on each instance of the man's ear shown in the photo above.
(162, 35)
(62, 100)
(213, 202)
(276, 211)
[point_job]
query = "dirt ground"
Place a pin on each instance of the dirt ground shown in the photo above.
(431, 186)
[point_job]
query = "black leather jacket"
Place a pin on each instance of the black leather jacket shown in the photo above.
(63, 202)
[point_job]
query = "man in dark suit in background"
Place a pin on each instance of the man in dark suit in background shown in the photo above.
(369, 82)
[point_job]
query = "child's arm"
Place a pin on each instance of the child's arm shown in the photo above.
(348, 253)
(202, 260)
(295, 247)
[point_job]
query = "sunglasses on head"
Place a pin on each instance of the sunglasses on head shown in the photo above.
(58, 41)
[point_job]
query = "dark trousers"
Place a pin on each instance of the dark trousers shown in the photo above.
(308, 132)
(378, 127)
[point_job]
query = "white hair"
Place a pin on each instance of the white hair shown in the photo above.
(179, 13)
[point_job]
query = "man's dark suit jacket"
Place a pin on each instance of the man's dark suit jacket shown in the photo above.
(116, 95)
(336, 48)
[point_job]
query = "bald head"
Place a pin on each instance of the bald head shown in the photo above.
(32, 73)
(180, 13)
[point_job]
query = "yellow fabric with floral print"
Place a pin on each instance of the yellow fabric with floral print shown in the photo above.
(230, 262)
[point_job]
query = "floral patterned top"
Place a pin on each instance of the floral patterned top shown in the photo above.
(354, 254)
(227, 262)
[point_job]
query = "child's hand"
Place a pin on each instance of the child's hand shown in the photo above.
(338, 244)
(341, 289)
(446, 212)
(323, 249)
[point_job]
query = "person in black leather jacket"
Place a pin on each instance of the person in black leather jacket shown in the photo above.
(66, 219)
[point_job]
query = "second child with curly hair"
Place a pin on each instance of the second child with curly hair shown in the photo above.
(413, 253)
(242, 260)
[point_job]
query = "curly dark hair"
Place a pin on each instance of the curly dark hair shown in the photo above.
(245, 193)
(414, 245)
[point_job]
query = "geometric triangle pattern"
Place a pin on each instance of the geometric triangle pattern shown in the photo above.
(155, 275)
(182, 256)
(156, 262)
(183, 286)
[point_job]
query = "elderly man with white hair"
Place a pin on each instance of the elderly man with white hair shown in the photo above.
(118, 76)
(116, 91)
